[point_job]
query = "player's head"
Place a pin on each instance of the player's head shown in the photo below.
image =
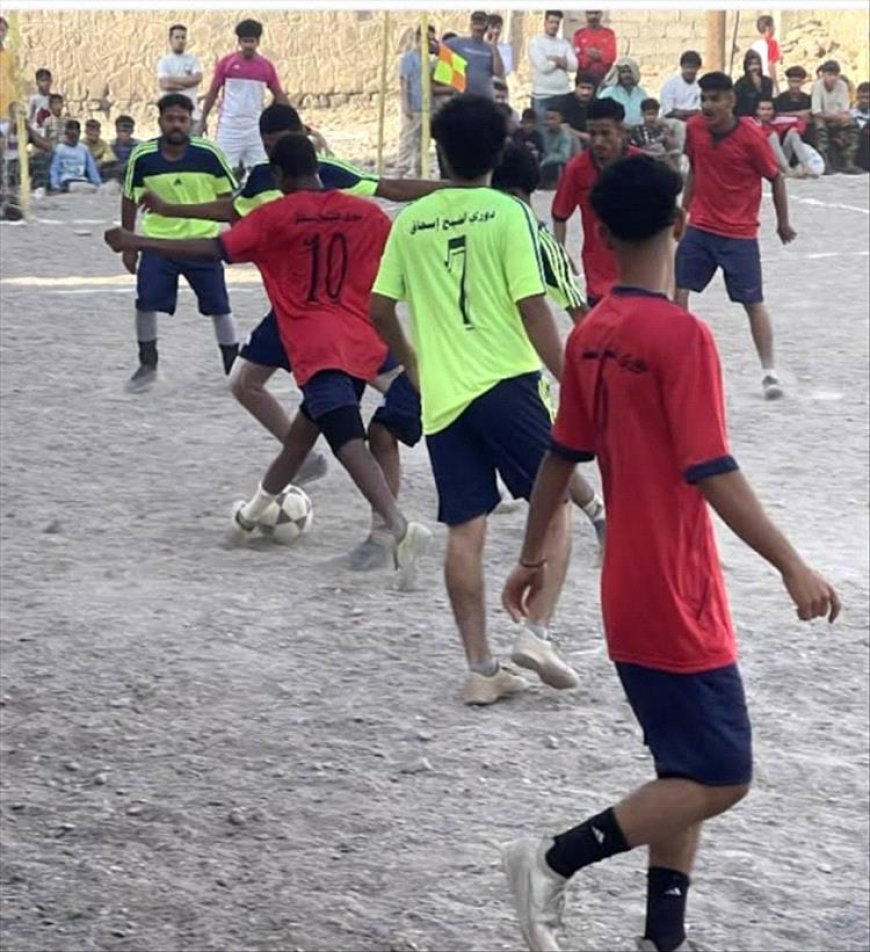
(829, 72)
(764, 110)
(175, 118)
(55, 104)
(690, 63)
(93, 130)
(605, 120)
(552, 22)
(294, 162)
(593, 19)
(477, 24)
(584, 87)
(553, 118)
(517, 173)
(765, 25)
(863, 95)
(717, 99)
(470, 133)
(752, 63)
(72, 131)
(249, 33)
(277, 121)
(124, 127)
(177, 38)
(635, 201)
(649, 109)
(43, 81)
(796, 76)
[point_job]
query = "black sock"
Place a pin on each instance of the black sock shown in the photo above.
(229, 352)
(598, 838)
(148, 353)
(666, 894)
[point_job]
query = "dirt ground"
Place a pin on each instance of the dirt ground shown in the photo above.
(212, 749)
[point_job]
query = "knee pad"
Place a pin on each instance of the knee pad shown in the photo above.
(340, 426)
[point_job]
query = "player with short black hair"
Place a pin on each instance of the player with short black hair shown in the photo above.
(728, 158)
(318, 253)
(642, 381)
(467, 260)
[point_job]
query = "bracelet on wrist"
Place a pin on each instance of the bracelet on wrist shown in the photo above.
(533, 565)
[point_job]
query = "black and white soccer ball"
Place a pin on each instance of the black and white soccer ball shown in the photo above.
(288, 517)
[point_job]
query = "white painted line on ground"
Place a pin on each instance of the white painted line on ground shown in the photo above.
(820, 204)
(247, 276)
(96, 290)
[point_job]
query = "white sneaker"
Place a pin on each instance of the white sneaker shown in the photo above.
(538, 892)
(241, 529)
(540, 656)
(408, 551)
(480, 689)
(772, 386)
(143, 379)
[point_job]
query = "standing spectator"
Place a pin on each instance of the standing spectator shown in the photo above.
(494, 30)
(595, 46)
(244, 76)
(7, 70)
(752, 87)
(484, 59)
(528, 136)
(654, 136)
(179, 71)
(623, 85)
(124, 144)
(55, 124)
(836, 131)
(784, 135)
(553, 63)
(558, 147)
(411, 81)
(576, 107)
(72, 161)
(768, 49)
(37, 105)
(101, 151)
(861, 115)
(681, 96)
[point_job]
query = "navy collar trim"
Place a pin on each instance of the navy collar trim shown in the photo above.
(630, 289)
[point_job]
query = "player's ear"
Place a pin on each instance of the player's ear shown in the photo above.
(604, 235)
(679, 224)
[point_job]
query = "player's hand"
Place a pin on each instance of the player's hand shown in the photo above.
(812, 595)
(522, 584)
(786, 233)
(153, 203)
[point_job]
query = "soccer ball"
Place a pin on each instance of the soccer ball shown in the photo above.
(288, 517)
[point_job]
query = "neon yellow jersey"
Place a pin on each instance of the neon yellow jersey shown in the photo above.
(462, 258)
(559, 274)
(201, 175)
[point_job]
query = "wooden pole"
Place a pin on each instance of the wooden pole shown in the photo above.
(426, 108)
(20, 115)
(382, 95)
(715, 59)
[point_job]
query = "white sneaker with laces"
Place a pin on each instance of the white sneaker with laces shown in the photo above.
(408, 551)
(538, 892)
(540, 656)
(480, 690)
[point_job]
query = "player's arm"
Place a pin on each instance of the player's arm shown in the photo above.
(780, 203)
(688, 189)
(733, 499)
(211, 96)
(542, 332)
(406, 190)
(222, 209)
(202, 249)
(497, 62)
(382, 312)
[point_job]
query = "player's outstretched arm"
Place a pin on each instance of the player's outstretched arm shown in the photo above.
(543, 333)
(220, 210)
(203, 249)
(406, 190)
(732, 497)
(780, 203)
(549, 492)
(382, 312)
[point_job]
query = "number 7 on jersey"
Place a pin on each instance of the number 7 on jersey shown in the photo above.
(457, 254)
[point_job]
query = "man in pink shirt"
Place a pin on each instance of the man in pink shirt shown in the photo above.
(244, 76)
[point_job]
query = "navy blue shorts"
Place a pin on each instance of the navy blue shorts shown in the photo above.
(329, 390)
(264, 346)
(700, 253)
(507, 429)
(400, 411)
(157, 284)
(695, 725)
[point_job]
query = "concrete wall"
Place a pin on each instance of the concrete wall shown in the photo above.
(330, 62)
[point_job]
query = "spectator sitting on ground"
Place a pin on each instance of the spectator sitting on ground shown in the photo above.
(558, 148)
(623, 86)
(576, 107)
(124, 143)
(37, 106)
(654, 136)
(55, 125)
(681, 96)
(752, 87)
(553, 64)
(483, 59)
(861, 115)
(836, 130)
(768, 49)
(595, 47)
(101, 151)
(72, 161)
(528, 136)
(494, 30)
(795, 102)
(784, 135)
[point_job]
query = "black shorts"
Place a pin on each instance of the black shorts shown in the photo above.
(505, 430)
(695, 725)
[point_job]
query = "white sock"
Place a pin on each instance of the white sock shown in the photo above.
(770, 372)
(255, 507)
(539, 630)
(487, 668)
(594, 506)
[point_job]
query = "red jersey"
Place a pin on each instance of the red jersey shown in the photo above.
(642, 391)
(604, 40)
(726, 173)
(318, 253)
(578, 178)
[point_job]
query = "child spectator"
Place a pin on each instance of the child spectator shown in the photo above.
(528, 136)
(784, 135)
(576, 107)
(752, 87)
(55, 124)
(836, 130)
(72, 161)
(558, 148)
(124, 143)
(768, 49)
(37, 106)
(861, 115)
(654, 136)
(101, 151)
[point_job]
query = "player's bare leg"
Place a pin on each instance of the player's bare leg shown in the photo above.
(375, 552)
(762, 336)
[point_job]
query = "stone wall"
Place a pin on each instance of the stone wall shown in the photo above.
(104, 61)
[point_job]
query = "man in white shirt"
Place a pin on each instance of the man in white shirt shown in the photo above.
(554, 62)
(681, 97)
(179, 71)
